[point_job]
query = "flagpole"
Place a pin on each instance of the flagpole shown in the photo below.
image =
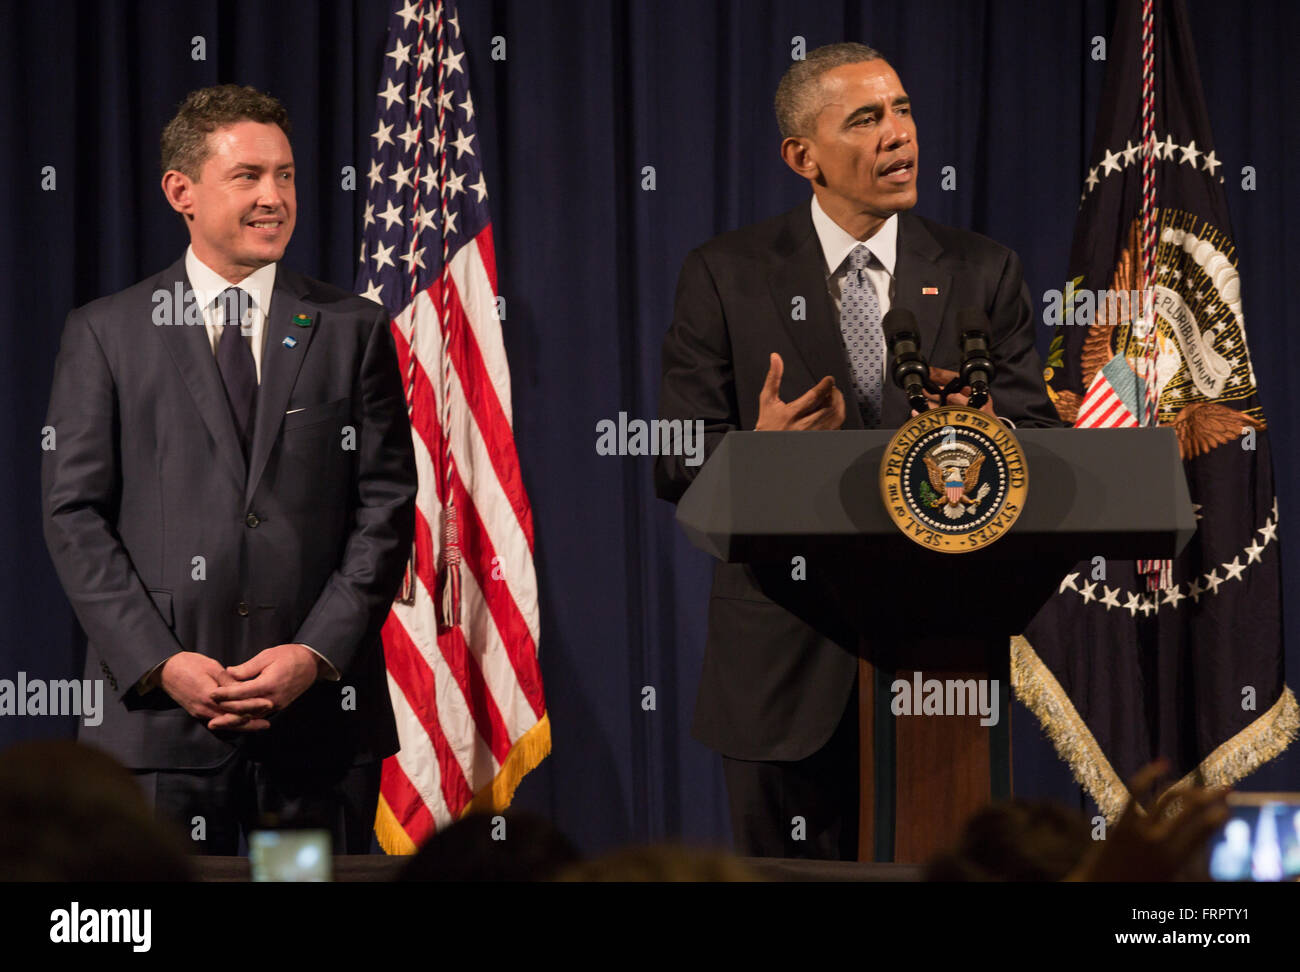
(406, 594)
(1159, 573)
(1148, 212)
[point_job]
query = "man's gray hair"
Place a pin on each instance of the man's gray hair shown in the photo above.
(797, 101)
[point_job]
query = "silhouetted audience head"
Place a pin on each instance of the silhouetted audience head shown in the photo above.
(666, 862)
(514, 846)
(1017, 840)
(69, 812)
(1160, 836)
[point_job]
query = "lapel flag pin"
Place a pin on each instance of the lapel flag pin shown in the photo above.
(290, 341)
(930, 291)
(302, 320)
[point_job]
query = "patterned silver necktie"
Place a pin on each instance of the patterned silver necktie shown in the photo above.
(863, 338)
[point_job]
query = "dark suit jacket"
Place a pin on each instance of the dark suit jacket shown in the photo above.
(780, 658)
(308, 545)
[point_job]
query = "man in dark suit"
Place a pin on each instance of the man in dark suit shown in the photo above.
(777, 326)
(229, 503)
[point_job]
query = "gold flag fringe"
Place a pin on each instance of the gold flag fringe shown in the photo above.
(1042, 694)
(525, 755)
(392, 838)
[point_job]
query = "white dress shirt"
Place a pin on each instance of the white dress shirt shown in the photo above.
(837, 243)
(208, 285)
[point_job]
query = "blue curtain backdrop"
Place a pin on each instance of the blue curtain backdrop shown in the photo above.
(587, 95)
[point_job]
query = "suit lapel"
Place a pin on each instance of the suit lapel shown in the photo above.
(191, 350)
(280, 367)
(916, 271)
(800, 273)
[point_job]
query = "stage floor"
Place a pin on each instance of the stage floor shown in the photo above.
(381, 867)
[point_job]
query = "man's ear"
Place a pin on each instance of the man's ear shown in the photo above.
(799, 155)
(176, 188)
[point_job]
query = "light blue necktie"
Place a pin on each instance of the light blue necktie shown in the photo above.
(863, 338)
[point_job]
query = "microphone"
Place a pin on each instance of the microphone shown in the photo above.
(976, 362)
(907, 364)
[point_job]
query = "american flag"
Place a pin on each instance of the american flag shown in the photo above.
(1112, 399)
(461, 639)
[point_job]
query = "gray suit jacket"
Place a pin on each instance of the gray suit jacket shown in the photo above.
(306, 542)
(780, 658)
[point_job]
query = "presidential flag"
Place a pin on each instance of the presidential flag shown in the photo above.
(461, 640)
(1131, 661)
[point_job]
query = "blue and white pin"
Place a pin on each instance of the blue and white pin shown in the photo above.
(302, 320)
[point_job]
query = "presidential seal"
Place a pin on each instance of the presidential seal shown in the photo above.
(954, 479)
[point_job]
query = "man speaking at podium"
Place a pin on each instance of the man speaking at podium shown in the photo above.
(778, 326)
(230, 503)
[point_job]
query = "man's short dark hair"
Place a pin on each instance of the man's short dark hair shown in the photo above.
(185, 139)
(797, 102)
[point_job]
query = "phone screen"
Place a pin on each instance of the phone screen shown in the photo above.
(1260, 841)
(290, 855)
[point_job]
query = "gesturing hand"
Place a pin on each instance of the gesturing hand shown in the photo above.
(191, 679)
(1155, 847)
(268, 681)
(820, 407)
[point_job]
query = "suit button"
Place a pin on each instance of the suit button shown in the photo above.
(242, 609)
(252, 520)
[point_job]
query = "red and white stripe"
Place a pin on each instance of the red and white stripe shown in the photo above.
(462, 696)
(1102, 408)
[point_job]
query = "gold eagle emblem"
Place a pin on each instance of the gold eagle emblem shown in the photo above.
(954, 471)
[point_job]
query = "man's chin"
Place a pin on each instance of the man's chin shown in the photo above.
(267, 254)
(904, 202)
(883, 209)
(885, 205)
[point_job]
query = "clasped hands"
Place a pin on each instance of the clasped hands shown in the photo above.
(241, 697)
(822, 406)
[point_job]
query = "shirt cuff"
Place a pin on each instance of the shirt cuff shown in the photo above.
(331, 674)
(152, 678)
(1007, 422)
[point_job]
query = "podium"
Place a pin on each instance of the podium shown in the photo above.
(767, 497)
